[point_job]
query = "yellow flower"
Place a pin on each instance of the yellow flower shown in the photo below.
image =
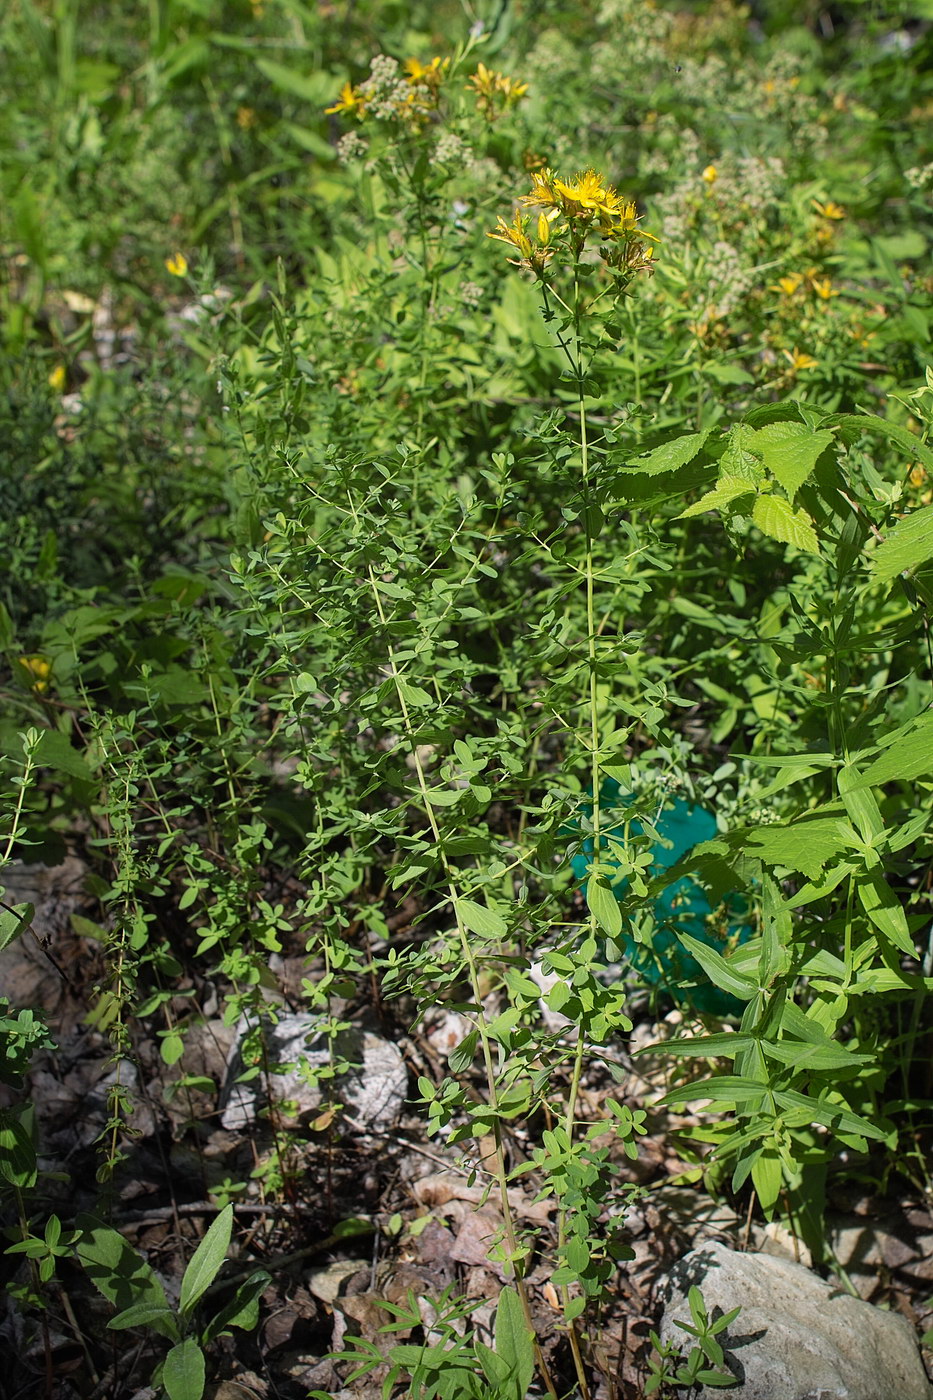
(543, 192)
(177, 264)
(587, 191)
(57, 378)
(799, 360)
(426, 74)
(38, 670)
(495, 90)
(710, 175)
(513, 234)
(350, 100)
(787, 285)
(917, 475)
(535, 258)
(246, 118)
(823, 288)
(544, 230)
(829, 210)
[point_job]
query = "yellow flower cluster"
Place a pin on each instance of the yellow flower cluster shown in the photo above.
(822, 287)
(410, 98)
(576, 208)
(495, 92)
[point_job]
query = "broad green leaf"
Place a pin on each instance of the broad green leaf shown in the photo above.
(494, 1368)
(183, 1371)
(909, 756)
(908, 545)
(243, 1308)
(871, 423)
(315, 87)
(737, 460)
(205, 1262)
(790, 451)
(885, 910)
(514, 1339)
(415, 695)
(804, 1055)
(481, 920)
(718, 970)
(777, 518)
(55, 752)
(14, 921)
(121, 1274)
(767, 1178)
(721, 1046)
(463, 1055)
(670, 456)
(721, 1088)
(726, 490)
(604, 906)
(18, 1163)
(806, 845)
(860, 804)
(831, 1115)
(152, 1315)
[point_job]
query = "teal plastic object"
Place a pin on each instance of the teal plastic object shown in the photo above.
(683, 906)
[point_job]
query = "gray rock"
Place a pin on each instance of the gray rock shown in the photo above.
(796, 1337)
(373, 1088)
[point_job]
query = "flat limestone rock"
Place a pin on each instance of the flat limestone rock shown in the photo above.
(373, 1088)
(796, 1338)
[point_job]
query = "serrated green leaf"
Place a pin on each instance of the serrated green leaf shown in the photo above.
(908, 545)
(205, 1262)
(777, 518)
(670, 456)
(806, 845)
(183, 1371)
(726, 490)
(790, 451)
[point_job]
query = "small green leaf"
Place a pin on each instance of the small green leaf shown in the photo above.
(604, 906)
(243, 1309)
(463, 1055)
(183, 1371)
(14, 921)
(908, 545)
(206, 1260)
(481, 920)
(152, 1315)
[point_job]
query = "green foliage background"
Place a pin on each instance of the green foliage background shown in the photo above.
(317, 605)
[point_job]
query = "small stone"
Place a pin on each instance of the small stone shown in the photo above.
(796, 1337)
(373, 1089)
